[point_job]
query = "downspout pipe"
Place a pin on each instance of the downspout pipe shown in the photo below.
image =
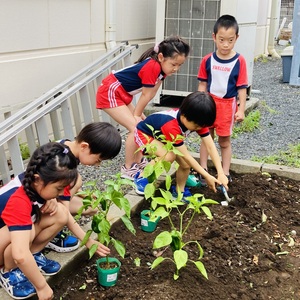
(110, 24)
(275, 10)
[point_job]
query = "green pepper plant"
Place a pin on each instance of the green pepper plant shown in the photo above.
(164, 205)
(102, 200)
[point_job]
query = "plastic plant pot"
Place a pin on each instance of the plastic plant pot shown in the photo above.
(146, 224)
(108, 277)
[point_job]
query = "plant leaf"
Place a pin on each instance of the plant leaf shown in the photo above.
(180, 258)
(128, 224)
(201, 268)
(156, 262)
(93, 250)
(162, 240)
(86, 237)
(119, 247)
(125, 205)
(149, 190)
(207, 212)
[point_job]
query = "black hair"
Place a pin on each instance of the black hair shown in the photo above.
(226, 21)
(200, 108)
(103, 138)
(169, 47)
(53, 162)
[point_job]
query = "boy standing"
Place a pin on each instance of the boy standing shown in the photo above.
(223, 74)
(196, 112)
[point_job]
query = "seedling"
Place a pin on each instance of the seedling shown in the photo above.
(94, 198)
(165, 206)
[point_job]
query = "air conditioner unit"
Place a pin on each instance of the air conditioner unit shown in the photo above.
(193, 20)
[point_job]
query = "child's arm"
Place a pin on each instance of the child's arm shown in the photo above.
(214, 155)
(211, 181)
(20, 240)
(202, 87)
(79, 233)
(146, 96)
(240, 114)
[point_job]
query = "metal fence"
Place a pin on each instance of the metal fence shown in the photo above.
(59, 113)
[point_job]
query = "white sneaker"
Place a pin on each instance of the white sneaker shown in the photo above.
(144, 162)
(129, 173)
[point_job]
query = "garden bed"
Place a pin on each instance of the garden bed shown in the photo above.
(248, 251)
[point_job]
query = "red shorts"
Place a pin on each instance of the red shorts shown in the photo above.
(142, 139)
(111, 93)
(226, 109)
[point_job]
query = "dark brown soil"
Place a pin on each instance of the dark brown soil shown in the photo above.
(245, 258)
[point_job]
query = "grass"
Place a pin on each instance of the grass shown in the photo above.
(289, 157)
(250, 123)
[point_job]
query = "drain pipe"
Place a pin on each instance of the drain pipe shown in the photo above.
(275, 9)
(110, 24)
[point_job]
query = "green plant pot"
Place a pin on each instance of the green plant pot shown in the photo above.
(146, 224)
(108, 277)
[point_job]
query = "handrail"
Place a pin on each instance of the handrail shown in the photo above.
(60, 111)
(48, 107)
(54, 91)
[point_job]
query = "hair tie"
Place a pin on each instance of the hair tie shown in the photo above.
(156, 48)
(66, 150)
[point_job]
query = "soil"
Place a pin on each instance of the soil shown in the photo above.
(248, 251)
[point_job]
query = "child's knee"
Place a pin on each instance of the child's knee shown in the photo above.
(170, 156)
(62, 214)
(224, 142)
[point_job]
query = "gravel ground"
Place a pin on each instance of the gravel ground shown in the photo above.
(279, 104)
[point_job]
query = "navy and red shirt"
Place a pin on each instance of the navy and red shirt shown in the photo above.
(143, 74)
(16, 209)
(223, 77)
(168, 123)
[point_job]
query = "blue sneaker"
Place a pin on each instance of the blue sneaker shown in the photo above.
(63, 243)
(140, 184)
(47, 266)
(186, 194)
(16, 284)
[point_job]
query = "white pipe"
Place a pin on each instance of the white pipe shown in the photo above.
(280, 28)
(110, 24)
(275, 9)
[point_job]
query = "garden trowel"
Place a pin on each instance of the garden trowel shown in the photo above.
(222, 189)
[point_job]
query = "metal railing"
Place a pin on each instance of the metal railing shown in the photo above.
(59, 113)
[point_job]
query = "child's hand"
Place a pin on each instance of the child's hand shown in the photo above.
(138, 119)
(224, 180)
(50, 207)
(46, 293)
(101, 250)
(212, 182)
(239, 116)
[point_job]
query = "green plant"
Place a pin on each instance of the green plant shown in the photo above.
(250, 123)
(25, 153)
(289, 157)
(165, 206)
(103, 200)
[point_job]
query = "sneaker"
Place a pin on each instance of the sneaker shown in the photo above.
(16, 284)
(229, 178)
(47, 266)
(144, 162)
(129, 173)
(63, 243)
(140, 184)
(186, 193)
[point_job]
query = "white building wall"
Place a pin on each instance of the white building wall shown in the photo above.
(43, 42)
(246, 13)
(262, 30)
